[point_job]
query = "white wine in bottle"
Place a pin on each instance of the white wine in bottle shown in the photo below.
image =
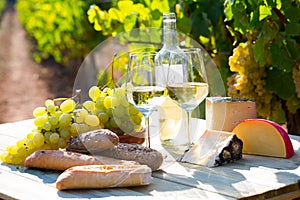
(172, 117)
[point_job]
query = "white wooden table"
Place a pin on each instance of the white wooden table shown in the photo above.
(252, 177)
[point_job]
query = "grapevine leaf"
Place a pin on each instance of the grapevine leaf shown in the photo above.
(184, 25)
(280, 82)
(264, 12)
(280, 57)
(293, 14)
(115, 14)
(259, 51)
(200, 24)
(291, 45)
(130, 22)
(293, 29)
(228, 10)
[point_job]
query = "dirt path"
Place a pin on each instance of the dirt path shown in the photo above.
(24, 83)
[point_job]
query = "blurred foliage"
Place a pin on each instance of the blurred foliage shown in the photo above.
(273, 28)
(2, 7)
(59, 28)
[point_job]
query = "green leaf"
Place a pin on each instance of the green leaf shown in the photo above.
(293, 29)
(184, 25)
(259, 51)
(280, 82)
(264, 12)
(280, 57)
(200, 25)
(130, 22)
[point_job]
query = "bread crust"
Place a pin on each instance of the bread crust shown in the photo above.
(136, 152)
(62, 160)
(104, 176)
(93, 141)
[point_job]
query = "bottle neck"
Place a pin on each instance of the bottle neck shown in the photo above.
(170, 35)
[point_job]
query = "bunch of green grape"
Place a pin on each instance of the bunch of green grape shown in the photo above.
(249, 81)
(114, 111)
(56, 124)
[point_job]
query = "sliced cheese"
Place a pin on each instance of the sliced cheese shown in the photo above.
(264, 137)
(214, 148)
(224, 113)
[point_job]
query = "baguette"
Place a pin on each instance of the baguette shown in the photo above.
(62, 160)
(93, 141)
(135, 152)
(104, 176)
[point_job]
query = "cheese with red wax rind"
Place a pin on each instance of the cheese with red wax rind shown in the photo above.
(224, 113)
(264, 137)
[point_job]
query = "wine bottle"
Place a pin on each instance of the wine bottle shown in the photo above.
(171, 116)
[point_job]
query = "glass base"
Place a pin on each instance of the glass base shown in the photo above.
(176, 150)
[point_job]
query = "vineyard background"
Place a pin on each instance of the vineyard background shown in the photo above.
(261, 38)
(26, 84)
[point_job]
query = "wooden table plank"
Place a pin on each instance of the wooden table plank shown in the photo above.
(253, 177)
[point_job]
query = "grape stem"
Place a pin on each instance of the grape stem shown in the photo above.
(111, 83)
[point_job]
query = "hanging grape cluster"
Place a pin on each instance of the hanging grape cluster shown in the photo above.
(249, 80)
(64, 118)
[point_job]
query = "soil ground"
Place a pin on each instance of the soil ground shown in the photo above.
(25, 84)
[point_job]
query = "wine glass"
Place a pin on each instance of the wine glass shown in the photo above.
(145, 88)
(187, 85)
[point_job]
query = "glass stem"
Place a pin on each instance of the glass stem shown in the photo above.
(189, 115)
(148, 132)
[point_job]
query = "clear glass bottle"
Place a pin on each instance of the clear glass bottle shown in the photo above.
(171, 116)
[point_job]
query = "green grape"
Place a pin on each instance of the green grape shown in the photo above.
(103, 117)
(94, 93)
(21, 142)
(67, 106)
(136, 119)
(89, 105)
(30, 144)
(39, 111)
(74, 129)
(47, 136)
(119, 93)
(53, 120)
(119, 111)
(12, 149)
(54, 138)
(40, 121)
(80, 115)
(124, 102)
(65, 120)
(49, 102)
(83, 128)
(38, 139)
(92, 120)
(22, 152)
(62, 143)
(47, 126)
(115, 101)
(99, 104)
(51, 108)
(65, 134)
(113, 123)
(107, 102)
(133, 110)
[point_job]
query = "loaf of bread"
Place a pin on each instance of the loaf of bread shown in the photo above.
(135, 152)
(62, 160)
(93, 141)
(104, 176)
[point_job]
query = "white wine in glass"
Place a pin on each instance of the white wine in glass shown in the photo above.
(190, 90)
(143, 89)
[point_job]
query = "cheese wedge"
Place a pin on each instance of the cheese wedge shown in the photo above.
(224, 113)
(214, 148)
(264, 137)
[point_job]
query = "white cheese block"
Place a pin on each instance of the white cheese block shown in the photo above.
(224, 113)
(214, 148)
